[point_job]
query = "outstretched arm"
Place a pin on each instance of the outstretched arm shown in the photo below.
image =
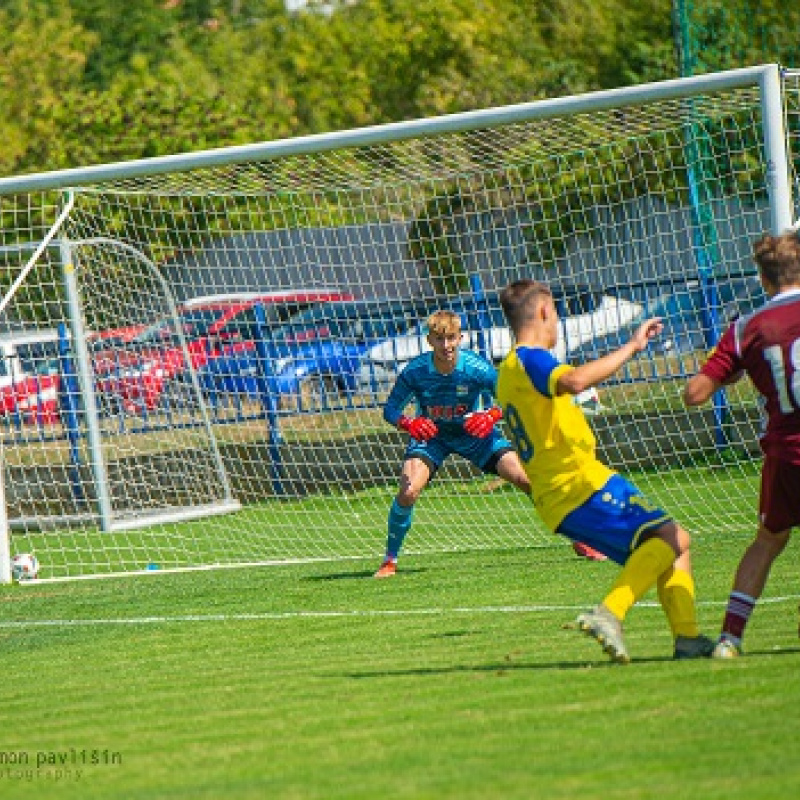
(576, 380)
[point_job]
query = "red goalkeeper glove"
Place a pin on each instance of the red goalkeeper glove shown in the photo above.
(421, 428)
(481, 423)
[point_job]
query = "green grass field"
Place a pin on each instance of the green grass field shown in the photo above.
(460, 678)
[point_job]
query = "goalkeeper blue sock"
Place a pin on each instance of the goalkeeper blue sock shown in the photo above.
(399, 522)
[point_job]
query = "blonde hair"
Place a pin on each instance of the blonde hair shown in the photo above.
(444, 323)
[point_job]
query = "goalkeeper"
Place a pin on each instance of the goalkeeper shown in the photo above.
(449, 385)
(575, 493)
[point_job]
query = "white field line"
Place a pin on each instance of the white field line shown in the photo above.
(352, 614)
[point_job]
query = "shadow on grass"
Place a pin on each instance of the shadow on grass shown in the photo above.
(455, 634)
(498, 669)
(509, 666)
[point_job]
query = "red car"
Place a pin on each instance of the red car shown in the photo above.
(29, 375)
(151, 369)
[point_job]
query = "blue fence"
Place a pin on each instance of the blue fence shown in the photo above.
(253, 396)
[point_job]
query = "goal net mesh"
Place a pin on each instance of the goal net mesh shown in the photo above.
(244, 323)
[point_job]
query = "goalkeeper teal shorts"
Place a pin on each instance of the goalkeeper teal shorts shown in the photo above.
(613, 519)
(483, 453)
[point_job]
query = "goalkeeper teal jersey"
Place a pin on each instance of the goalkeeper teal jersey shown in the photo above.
(550, 434)
(445, 399)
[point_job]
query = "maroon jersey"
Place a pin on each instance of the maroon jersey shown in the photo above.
(766, 344)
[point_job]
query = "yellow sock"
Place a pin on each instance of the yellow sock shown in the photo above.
(641, 571)
(676, 594)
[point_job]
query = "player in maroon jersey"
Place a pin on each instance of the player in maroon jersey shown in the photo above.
(765, 345)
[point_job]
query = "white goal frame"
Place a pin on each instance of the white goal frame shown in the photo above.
(766, 79)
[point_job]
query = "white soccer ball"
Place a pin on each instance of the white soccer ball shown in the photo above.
(589, 400)
(24, 567)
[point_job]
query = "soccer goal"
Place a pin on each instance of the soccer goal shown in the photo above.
(231, 321)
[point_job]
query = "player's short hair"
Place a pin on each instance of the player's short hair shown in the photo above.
(778, 258)
(520, 300)
(444, 323)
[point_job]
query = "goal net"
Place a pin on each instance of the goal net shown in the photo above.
(220, 329)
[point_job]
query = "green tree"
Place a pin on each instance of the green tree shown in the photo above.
(605, 44)
(714, 35)
(42, 58)
(124, 31)
(429, 57)
(156, 76)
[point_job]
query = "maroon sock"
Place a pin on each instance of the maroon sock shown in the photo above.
(740, 607)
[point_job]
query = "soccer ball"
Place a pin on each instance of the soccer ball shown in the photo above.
(588, 400)
(24, 567)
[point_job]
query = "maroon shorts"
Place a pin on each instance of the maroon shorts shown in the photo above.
(779, 504)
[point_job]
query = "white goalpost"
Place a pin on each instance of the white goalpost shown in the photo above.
(226, 324)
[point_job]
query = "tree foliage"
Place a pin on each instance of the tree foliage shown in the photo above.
(715, 35)
(89, 81)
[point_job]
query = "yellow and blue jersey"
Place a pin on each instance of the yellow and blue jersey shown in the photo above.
(550, 434)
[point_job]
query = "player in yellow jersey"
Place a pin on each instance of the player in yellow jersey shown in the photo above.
(576, 494)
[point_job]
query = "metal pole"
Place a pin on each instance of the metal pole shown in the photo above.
(68, 402)
(775, 155)
(87, 385)
(394, 131)
(264, 378)
(5, 534)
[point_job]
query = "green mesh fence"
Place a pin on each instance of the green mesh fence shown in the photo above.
(714, 35)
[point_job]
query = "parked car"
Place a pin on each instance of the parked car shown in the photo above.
(115, 337)
(681, 309)
(316, 358)
(30, 375)
(151, 371)
(585, 315)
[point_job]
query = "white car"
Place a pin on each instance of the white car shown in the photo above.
(30, 374)
(608, 314)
